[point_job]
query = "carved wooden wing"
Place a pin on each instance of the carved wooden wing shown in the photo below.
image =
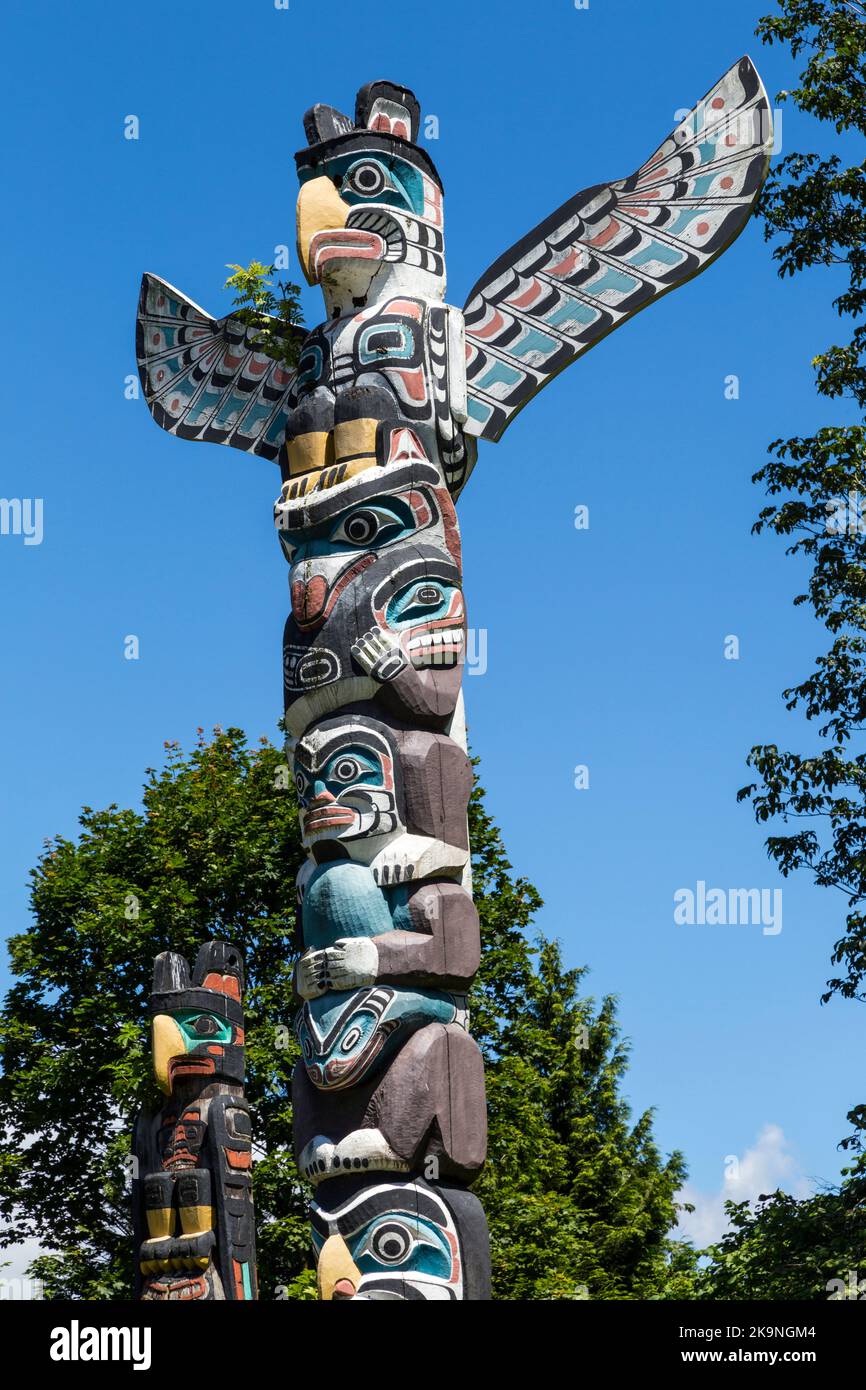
(615, 248)
(205, 378)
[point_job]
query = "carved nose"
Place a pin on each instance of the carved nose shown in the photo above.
(308, 600)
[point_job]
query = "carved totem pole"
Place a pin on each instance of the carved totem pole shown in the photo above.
(192, 1193)
(375, 433)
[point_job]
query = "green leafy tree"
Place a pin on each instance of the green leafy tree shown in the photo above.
(815, 212)
(213, 852)
(272, 308)
(783, 1247)
(579, 1199)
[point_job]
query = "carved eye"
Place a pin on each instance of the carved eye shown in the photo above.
(363, 526)
(205, 1026)
(350, 1040)
(376, 523)
(367, 179)
(428, 595)
(392, 1242)
(346, 770)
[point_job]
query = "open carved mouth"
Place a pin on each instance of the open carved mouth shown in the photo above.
(344, 243)
(436, 648)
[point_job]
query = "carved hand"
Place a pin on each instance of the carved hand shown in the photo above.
(349, 964)
(379, 654)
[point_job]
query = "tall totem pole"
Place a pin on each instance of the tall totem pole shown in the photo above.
(375, 432)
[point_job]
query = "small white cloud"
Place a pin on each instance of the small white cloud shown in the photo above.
(764, 1167)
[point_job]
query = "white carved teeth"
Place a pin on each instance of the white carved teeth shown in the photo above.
(436, 648)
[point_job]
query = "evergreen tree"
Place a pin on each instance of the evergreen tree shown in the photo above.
(579, 1200)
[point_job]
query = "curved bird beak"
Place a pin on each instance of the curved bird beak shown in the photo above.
(320, 208)
(337, 1274)
(168, 1042)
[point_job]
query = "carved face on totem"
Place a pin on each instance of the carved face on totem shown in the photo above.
(346, 778)
(197, 1019)
(389, 797)
(400, 1241)
(370, 205)
(376, 595)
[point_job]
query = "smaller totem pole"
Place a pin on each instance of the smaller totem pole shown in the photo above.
(192, 1189)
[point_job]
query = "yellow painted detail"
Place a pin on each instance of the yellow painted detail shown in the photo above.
(168, 1042)
(353, 438)
(195, 1220)
(309, 452)
(319, 208)
(335, 1263)
(160, 1222)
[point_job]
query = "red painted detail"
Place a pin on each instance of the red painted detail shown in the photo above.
(568, 264)
(342, 243)
(416, 386)
(195, 1064)
(226, 984)
(420, 507)
(491, 328)
(529, 295)
(604, 237)
(410, 307)
(449, 522)
(308, 600)
(405, 447)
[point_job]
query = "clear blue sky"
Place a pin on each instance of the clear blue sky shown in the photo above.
(605, 647)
